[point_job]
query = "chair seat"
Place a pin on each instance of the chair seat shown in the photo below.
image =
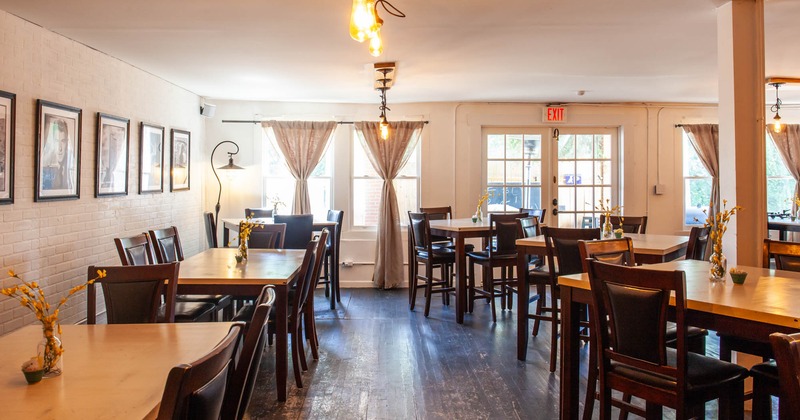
(188, 311)
(484, 256)
(767, 370)
(245, 313)
(218, 300)
(438, 253)
(703, 372)
(451, 245)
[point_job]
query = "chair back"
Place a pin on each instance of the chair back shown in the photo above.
(612, 251)
(529, 226)
(535, 212)
(133, 293)
(562, 243)
(420, 229)
(629, 224)
(630, 310)
(507, 230)
(196, 390)
(786, 254)
(167, 245)
(305, 277)
(267, 236)
(257, 212)
(237, 398)
(135, 250)
(787, 356)
(437, 213)
(698, 243)
(211, 229)
(338, 217)
(298, 229)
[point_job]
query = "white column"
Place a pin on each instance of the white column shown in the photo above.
(740, 55)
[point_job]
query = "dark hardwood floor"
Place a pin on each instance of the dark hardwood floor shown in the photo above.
(378, 360)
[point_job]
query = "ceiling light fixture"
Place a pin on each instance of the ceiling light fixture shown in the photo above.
(776, 120)
(383, 123)
(366, 24)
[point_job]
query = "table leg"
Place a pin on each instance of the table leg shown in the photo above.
(281, 339)
(335, 273)
(334, 270)
(461, 280)
(570, 359)
(523, 298)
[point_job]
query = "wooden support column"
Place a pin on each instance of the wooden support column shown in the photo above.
(740, 55)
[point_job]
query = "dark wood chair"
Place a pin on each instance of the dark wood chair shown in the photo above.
(439, 213)
(299, 228)
(501, 254)
(787, 355)
(197, 390)
(334, 241)
(697, 249)
(630, 309)
(629, 224)
(211, 229)
(238, 395)
(423, 252)
(257, 212)
(167, 246)
(267, 236)
(133, 293)
(535, 212)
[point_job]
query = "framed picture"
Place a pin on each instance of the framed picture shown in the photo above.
(179, 166)
(151, 158)
(7, 107)
(111, 176)
(58, 152)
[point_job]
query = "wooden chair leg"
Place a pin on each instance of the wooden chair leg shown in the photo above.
(428, 287)
(471, 288)
(298, 378)
(412, 289)
(554, 331)
(540, 304)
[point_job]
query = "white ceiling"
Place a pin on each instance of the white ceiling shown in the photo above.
(457, 50)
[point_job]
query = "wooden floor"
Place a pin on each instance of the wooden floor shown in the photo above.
(378, 360)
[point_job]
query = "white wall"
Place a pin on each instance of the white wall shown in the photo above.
(54, 242)
(451, 156)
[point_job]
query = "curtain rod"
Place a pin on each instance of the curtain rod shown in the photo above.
(259, 122)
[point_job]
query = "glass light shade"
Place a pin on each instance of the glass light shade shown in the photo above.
(376, 45)
(776, 125)
(362, 19)
(384, 127)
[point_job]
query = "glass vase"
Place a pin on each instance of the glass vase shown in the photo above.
(608, 231)
(49, 352)
(719, 266)
(479, 213)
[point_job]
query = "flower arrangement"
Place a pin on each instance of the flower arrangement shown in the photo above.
(606, 209)
(245, 228)
(718, 225)
(483, 198)
(31, 295)
(276, 201)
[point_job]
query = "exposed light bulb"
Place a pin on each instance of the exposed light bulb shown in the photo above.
(776, 125)
(375, 44)
(362, 20)
(384, 127)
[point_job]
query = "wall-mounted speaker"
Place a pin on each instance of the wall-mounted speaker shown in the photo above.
(208, 110)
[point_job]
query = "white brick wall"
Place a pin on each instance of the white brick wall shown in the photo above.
(55, 242)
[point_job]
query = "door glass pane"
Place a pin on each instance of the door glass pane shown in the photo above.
(566, 172)
(514, 172)
(584, 146)
(566, 146)
(566, 220)
(514, 146)
(602, 146)
(584, 199)
(584, 172)
(495, 146)
(496, 199)
(602, 172)
(533, 147)
(533, 173)
(532, 197)
(566, 198)
(495, 172)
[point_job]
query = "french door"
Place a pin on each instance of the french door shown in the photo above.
(570, 176)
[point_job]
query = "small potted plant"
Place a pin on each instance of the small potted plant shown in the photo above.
(737, 275)
(618, 233)
(33, 370)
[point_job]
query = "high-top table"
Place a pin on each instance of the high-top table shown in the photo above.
(110, 371)
(215, 271)
(783, 226)
(232, 225)
(648, 249)
(764, 304)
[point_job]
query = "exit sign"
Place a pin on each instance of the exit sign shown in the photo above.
(555, 114)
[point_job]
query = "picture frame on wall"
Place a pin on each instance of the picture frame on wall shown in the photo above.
(7, 115)
(113, 143)
(58, 152)
(151, 158)
(180, 153)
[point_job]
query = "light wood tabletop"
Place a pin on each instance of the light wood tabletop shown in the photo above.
(643, 243)
(110, 371)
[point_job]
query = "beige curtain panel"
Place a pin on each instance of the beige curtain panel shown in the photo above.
(388, 157)
(705, 140)
(302, 143)
(788, 144)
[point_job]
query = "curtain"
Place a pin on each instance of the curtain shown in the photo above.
(302, 144)
(388, 157)
(705, 140)
(788, 144)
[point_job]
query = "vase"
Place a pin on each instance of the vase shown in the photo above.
(719, 266)
(479, 213)
(49, 351)
(243, 250)
(608, 232)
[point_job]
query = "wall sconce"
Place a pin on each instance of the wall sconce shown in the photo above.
(776, 120)
(366, 24)
(230, 165)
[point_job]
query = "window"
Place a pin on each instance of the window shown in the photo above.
(279, 184)
(587, 176)
(696, 186)
(367, 187)
(780, 184)
(514, 171)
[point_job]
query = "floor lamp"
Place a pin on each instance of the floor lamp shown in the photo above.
(230, 165)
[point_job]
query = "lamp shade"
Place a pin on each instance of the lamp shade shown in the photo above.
(230, 165)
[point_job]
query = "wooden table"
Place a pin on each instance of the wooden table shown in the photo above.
(215, 271)
(459, 230)
(648, 248)
(765, 304)
(110, 371)
(232, 225)
(783, 226)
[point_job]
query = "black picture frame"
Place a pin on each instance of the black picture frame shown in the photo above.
(58, 152)
(151, 158)
(180, 159)
(111, 155)
(8, 105)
